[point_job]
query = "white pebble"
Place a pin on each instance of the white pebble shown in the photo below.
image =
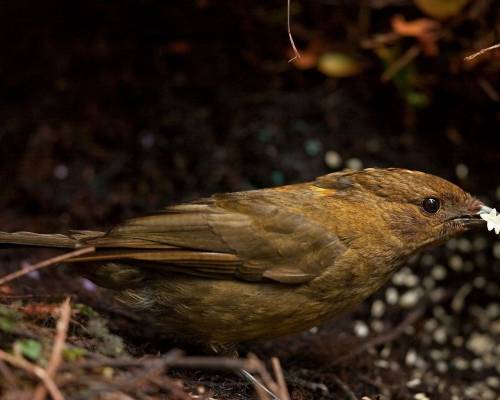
(439, 272)
(382, 363)
(391, 295)
(413, 383)
(477, 364)
(464, 245)
(386, 352)
(458, 341)
(354, 163)
(410, 298)
(493, 382)
(462, 171)
(333, 159)
(427, 260)
(471, 392)
(480, 282)
(61, 171)
(480, 344)
(456, 262)
(460, 363)
(457, 303)
(493, 310)
(378, 308)
(377, 326)
(451, 244)
(440, 336)
(361, 329)
(421, 396)
(430, 325)
(495, 329)
(488, 394)
(428, 282)
(480, 243)
(496, 250)
(410, 280)
(442, 367)
(438, 294)
(411, 358)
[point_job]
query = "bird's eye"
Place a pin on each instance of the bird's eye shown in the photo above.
(431, 205)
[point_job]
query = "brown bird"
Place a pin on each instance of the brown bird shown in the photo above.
(263, 263)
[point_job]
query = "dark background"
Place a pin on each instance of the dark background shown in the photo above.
(114, 108)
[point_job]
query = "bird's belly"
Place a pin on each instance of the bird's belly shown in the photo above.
(225, 312)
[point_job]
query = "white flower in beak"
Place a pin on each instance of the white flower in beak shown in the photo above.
(492, 219)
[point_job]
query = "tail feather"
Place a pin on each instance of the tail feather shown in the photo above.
(30, 239)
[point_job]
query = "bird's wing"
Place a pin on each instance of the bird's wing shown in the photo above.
(228, 236)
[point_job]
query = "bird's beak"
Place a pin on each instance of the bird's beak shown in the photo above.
(472, 216)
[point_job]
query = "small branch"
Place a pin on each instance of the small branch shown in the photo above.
(345, 388)
(280, 379)
(295, 51)
(402, 62)
(33, 369)
(7, 374)
(175, 359)
(57, 348)
(482, 51)
(386, 337)
(46, 263)
(488, 89)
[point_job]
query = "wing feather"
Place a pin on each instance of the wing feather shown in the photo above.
(250, 237)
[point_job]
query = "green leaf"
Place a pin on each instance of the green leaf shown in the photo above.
(417, 99)
(30, 348)
(73, 353)
(86, 310)
(8, 318)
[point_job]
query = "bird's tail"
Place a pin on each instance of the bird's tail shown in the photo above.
(30, 239)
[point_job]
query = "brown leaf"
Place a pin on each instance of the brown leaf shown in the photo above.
(427, 31)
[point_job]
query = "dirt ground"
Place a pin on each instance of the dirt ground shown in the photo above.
(113, 109)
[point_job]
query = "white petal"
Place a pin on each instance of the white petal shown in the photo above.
(486, 217)
(490, 225)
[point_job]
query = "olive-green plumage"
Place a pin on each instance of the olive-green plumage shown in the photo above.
(264, 263)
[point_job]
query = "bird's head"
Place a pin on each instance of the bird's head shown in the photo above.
(417, 208)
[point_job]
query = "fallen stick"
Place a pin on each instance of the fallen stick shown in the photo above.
(482, 51)
(57, 348)
(33, 369)
(44, 264)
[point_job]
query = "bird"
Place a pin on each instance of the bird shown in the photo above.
(259, 264)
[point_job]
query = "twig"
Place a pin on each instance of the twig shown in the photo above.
(280, 379)
(263, 393)
(57, 348)
(175, 359)
(258, 366)
(345, 388)
(7, 374)
(33, 369)
(488, 89)
(384, 338)
(482, 51)
(402, 62)
(45, 263)
(295, 51)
